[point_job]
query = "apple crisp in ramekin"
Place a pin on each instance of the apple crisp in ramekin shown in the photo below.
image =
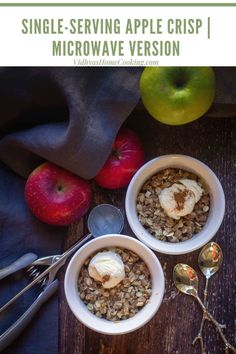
(156, 220)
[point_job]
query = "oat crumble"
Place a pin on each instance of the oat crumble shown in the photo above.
(125, 299)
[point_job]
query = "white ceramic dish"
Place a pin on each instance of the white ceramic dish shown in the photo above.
(79, 308)
(217, 199)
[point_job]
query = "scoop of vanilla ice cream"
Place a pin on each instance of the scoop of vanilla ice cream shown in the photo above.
(108, 268)
(194, 187)
(171, 206)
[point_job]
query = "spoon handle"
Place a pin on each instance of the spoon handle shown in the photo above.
(217, 325)
(76, 246)
(204, 317)
(206, 292)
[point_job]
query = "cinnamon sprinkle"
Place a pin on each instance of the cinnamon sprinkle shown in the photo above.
(180, 198)
(105, 278)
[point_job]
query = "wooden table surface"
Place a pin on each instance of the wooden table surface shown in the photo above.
(171, 331)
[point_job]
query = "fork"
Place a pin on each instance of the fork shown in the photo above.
(48, 284)
(46, 277)
(22, 322)
(34, 268)
(57, 262)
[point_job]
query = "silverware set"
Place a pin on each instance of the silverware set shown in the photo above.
(186, 280)
(103, 219)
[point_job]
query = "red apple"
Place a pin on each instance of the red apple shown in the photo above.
(126, 157)
(57, 196)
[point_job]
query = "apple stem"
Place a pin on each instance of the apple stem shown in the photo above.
(180, 83)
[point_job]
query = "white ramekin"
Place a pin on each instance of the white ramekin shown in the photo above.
(79, 308)
(217, 203)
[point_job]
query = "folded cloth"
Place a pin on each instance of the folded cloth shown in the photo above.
(69, 116)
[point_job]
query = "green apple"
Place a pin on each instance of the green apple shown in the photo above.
(177, 95)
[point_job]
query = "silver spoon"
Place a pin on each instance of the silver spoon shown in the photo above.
(103, 219)
(186, 281)
(209, 261)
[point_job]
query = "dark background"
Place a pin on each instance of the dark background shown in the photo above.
(212, 139)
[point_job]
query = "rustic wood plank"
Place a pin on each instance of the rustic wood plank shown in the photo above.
(173, 328)
(75, 342)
